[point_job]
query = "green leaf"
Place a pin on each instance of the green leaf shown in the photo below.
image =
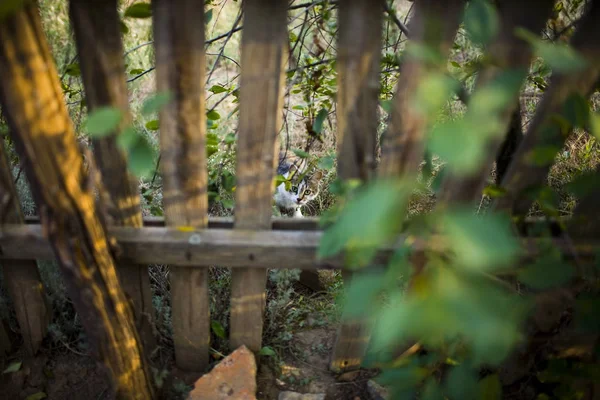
(595, 125)
(456, 143)
(369, 220)
(139, 10)
(326, 163)
(559, 57)
(587, 318)
(267, 351)
(218, 329)
(494, 191)
(156, 102)
(576, 110)
(13, 367)
(318, 123)
(141, 158)
(547, 272)
(103, 121)
(230, 138)
(216, 89)
(152, 125)
(136, 71)
(461, 383)
(213, 115)
(490, 388)
(73, 69)
(208, 16)
(127, 139)
(300, 153)
(543, 155)
(123, 27)
(481, 21)
(9, 7)
(36, 396)
(584, 184)
(362, 293)
(480, 241)
(432, 391)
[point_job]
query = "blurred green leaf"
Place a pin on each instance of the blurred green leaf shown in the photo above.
(127, 139)
(584, 184)
(13, 367)
(230, 138)
(587, 317)
(362, 293)
(370, 219)
(139, 10)
(595, 125)
(73, 69)
(546, 272)
(543, 155)
(208, 16)
(141, 158)
(494, 191)
(123, 27)
(213, 115)
(490, 388)
(560, 57)
(267, 351)
(326, 163)
(217, 329)
(156, 102)
(319, 119)
(217, 89)
(480, 241)
(457, 143)
(576, 110)
(152, 125)
(103, 121)
(432, 391)
(136, 71)
(36, 396)
(300, 153)
(481, 21)
(461, 383)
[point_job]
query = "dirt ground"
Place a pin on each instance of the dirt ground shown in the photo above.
(75, 377)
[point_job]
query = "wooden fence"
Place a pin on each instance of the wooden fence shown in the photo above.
(76, 232)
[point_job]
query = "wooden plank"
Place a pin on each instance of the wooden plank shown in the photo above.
(434, 24)
(32, 101)
(358, 65)
(22, 277)
(509, 52)
(264, 42)
(98, 39)
(526, 171)
(237, 248)
(180, 69)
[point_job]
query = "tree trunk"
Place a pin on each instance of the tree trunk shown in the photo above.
(44, 137)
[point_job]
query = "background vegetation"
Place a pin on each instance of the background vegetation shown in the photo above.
(450, 297)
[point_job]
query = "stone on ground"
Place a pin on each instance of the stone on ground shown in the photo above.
(300, 396)
(233, 378)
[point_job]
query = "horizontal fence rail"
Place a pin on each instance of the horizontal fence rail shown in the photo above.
(285, 247)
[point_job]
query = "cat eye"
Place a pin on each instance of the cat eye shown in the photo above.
(307, 191)
(295, 189)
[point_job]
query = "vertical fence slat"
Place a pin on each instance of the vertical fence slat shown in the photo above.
(264, 41)
(358, 66)
(33, 102)
(434, 24)
(180, 68)
(98, 38)
(22, 278)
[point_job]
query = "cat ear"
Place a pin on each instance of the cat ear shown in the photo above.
(293, 169)
(317, 176)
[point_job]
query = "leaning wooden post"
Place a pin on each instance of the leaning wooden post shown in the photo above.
(180, 68)
(44, 137)
(96, 25)
(358, 75)
(22, 277)
(261, 99)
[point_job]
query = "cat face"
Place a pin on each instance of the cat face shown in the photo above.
(304, 188)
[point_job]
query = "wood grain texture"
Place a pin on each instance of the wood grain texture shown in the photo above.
(21, 277)
(98, 39)
(508, 52)
(543, 132)
(33, 102)
(358, 66)
(237, 248)
(264, 42)
(434, 24)
(180, 68)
